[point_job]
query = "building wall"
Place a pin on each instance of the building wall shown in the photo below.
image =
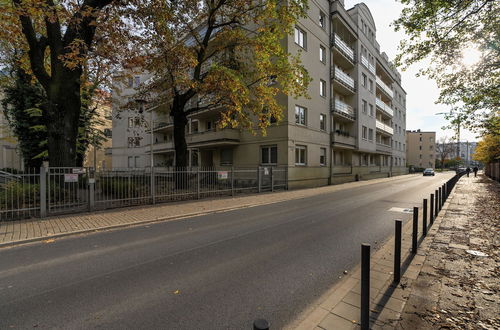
(421, 148)
(10, 156)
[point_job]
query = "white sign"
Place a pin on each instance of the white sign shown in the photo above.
(266, 171)
(78, 171)
(68, 177)
(91, 180)
(221, 175)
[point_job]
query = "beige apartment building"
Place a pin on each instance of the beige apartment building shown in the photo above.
(10, 155)
(352, 127)
(99, 157)
(421, 149)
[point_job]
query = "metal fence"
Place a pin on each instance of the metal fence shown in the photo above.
(63, 190)
(492, 170)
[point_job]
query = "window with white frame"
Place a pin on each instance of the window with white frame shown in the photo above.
(322, 156)
(364, 132)
(134, 142)
(269, 155)
(322, 88)
(322, 19)
(300, 37)
(363, 79)
(371, 110)
(322, 54)
(300, 115)
(371, 86)
(300, 155)
(364, 107)
(370, 134)
(322, 122)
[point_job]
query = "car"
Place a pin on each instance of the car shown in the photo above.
(429, 171)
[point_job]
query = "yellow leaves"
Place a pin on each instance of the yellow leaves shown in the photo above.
(176, 292)
(48, 241)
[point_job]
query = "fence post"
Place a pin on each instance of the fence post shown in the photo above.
(258, 179)
(153, 190)
(424, 217)
(365, 286)
(232, 181)
(91, 194)
(415, 231)
(431, 213)
(43, 192)
(436, 198)
(397, 252)
(272, 179)
(198, 188)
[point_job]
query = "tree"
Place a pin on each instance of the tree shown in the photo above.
(452, 35)
(225, 54)
(56, 38)
(488, 149)
(444, 149)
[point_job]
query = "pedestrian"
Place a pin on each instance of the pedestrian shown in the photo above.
(475, 171)
(467, 170)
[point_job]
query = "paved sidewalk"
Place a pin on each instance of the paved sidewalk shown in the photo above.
(460, 293)
(14, 232)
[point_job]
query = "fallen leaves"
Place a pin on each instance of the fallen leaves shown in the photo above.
(48, 241)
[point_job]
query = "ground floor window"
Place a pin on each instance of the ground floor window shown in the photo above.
(300, 155)
(133, 161)
(226, 157)
(322, 156)
(269, 155)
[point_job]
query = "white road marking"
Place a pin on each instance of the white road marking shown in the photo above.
(401, 210)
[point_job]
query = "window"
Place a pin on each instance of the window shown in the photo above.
(371, 86)
(322, 88)
(300, 115)
(364, 107)
(322, 156)
(322, 19)
(363, 79)
(364, 132)
(226, 157)
(371, 110)
(133, 161)
(420, 147)
(420, 139)
(137, 81)
(322, 54)
(322, 122)
(134, 142)
(431, 140)
(370, 134)
(269, 155)
(300, 155)
(130, 122)
(300, 37)
(107, 132)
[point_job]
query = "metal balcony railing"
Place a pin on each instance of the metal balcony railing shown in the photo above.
(343, 47)
(383, 106)
(384, 87)
(386, 128)
(367, 64)
(342, 107)
(343, 77)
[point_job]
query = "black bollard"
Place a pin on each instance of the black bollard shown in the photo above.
(431, 213)
(365, 286)
(397, 252)
(424, 217)
(415, 231)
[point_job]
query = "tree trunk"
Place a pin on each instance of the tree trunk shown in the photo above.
(181, 152)
(64, 112)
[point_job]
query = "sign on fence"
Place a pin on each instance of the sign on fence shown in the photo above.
(78, 171)
(69, 177)
(222, 175)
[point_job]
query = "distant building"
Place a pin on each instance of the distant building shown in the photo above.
(465, 152)
(10, 155)
(421, 149)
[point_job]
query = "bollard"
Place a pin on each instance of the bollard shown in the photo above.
(431, 213)
(397, 252)
(424, 217)
(444, 194)
(260, 324)
(365, 286)
(439, 199)
(436, 203)
(415, 231)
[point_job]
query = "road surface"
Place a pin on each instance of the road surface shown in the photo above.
(219, 271)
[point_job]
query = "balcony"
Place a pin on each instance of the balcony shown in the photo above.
(386, 89)
(162, 147)
(384, 128)
(343, 48)
(384, 107)
(163, 126)
(367, 64)
(384, 148)
(343, 109)
(342, 81)
(343, 139)
(214, 138)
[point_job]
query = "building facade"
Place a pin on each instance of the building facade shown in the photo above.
(10, 155)
(421, 149)
(99, 157)
(352, 127)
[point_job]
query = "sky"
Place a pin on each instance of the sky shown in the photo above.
(421, 111)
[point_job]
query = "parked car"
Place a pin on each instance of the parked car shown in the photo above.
(429, 171)
(6, 177)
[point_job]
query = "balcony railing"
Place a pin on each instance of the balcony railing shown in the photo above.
(383, 106)
(343, 77)
(343, 108)
(367, 64)
(223, 136)
(384, 87)
(343, 47)
(385, 128)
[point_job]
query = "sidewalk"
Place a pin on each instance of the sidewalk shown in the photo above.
(15, 232)
(442, 286)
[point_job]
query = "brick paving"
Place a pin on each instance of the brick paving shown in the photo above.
(443, 286)
(14, 232)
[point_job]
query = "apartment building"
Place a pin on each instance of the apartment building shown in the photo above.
(352, 127)
(421, 148)
(10, 155)
(99, 157)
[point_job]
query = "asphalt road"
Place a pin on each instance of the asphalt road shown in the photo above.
(217, 271)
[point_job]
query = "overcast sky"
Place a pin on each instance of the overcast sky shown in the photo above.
(421, 92)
